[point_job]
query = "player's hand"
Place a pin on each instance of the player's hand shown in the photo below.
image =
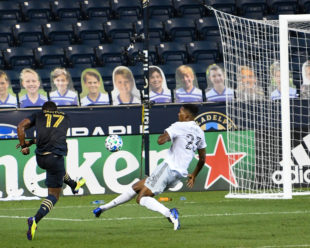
(27, 143)
(25, 151)
(190, 181)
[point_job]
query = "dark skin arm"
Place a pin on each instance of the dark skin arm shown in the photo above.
(200, 163)
(163, 138)
(22, 126)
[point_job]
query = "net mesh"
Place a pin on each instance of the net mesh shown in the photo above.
(251, 53)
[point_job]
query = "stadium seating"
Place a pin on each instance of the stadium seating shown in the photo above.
(28, 34)
(119, 31)
(203, 52)
(161, 10)
(283, 6)
(127, 9)
(6, 36)
(190, 8)
(90, 32)
(208, 29)
(180, 29)
(304, 6)
(59, 33)
(37, 10)
(10, 11)
(155, 28)
(255, 9)
(135, 55)
(172, 52)
(66, 10)
(228, 6)
(13, 75)
(80, 56)
(95, 9)
(49, 56)
(112, 54)
(45, 76)
(19, 58)
(75, 74)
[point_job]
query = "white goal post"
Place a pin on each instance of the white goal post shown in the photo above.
(266, 64)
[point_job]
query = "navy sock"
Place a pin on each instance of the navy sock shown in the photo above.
(46, 207)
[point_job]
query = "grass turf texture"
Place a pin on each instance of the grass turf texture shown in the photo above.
(207, 220)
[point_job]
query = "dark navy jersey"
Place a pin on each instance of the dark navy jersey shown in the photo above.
(51, 129)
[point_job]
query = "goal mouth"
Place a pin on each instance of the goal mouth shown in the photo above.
(266, 65)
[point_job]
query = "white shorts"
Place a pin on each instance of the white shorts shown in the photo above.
(162, 178)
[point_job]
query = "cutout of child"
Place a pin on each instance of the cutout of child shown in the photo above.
(125, 90)
(7, 97)
(159, 92)
(93, 92)
(63, 93)
(305, 87)
(217, 91)
(32, 94)
(186, 85)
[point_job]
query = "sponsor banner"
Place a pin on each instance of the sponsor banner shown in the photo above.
(107, 172)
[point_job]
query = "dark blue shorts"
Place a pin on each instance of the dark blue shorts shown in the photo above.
(55, 169)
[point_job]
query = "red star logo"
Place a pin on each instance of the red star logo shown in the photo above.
(220, 164)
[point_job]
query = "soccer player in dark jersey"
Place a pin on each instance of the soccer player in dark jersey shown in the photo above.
(51, 127)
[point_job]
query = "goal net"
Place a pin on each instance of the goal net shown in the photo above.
(266, 63)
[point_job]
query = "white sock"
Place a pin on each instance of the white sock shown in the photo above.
(154, 205)
(122, 198)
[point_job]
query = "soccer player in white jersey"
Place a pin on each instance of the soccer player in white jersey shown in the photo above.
(186, 138)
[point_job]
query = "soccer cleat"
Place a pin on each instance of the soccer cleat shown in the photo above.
(32, 226)
(79, 184)
(97, 212)
(174, 218)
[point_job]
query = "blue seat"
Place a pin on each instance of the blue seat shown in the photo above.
(50, 56)
(190, 8)
(172, 53)
(69, 9)
(95, 9)
(304, 6)
(110, 54)
(28, 34)
(208, 29)
(13, 75)
(37, 10)
(228, 6)
(161, 10)
(75, 74)
(45, 76)
(19, 57)
(200, 72)
(203, 51)
(251, 8)
(180, 29)
(90, 32)
(155, 29)
(119, 30)
(59, 33)
(10, 11)
(6, 36)
(80, 56)
(138, 74)
(128, 9)
(279, 7)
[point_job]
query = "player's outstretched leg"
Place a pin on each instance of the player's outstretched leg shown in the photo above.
(32, 226)
(124, 197)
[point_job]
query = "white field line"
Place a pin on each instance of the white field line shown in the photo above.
(158, 217)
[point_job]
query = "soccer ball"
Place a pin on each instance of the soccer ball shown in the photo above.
(113, 143)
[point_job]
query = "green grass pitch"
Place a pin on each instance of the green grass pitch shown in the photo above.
(208, 219)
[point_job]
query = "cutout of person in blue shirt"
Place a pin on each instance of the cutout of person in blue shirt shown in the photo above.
(186, 85)
(159, 92)
(63, 93)
(217, 91)
(7, 97)
(305, 87)
(93, 92)
(125, 90)
(31, 95)
(275, 78)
